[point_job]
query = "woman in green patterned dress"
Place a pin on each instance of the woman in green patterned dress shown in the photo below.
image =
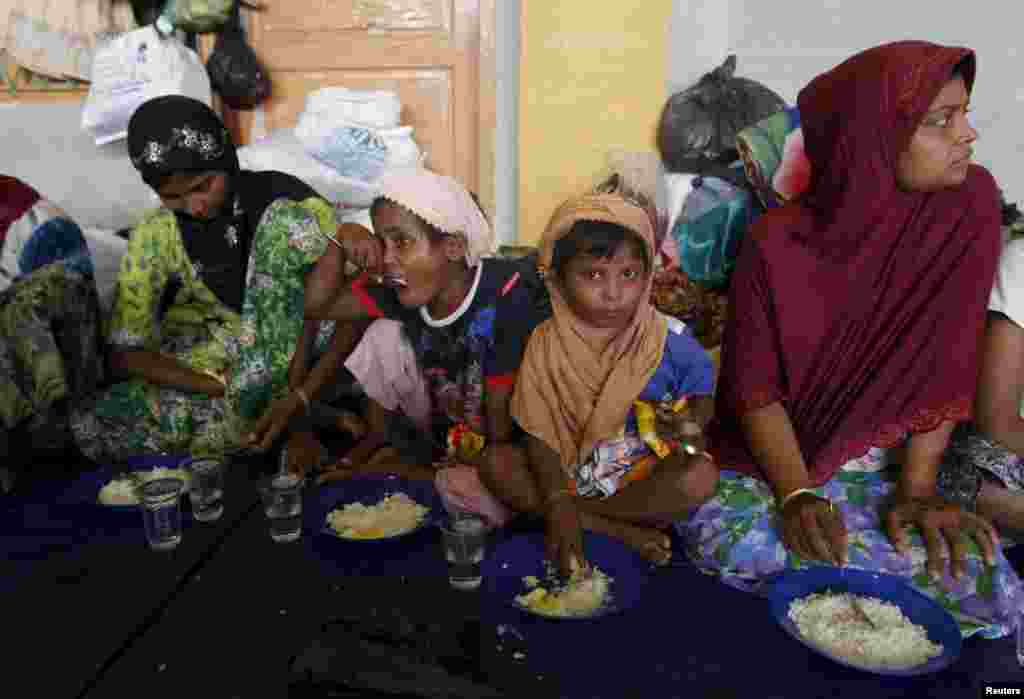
(207, 327)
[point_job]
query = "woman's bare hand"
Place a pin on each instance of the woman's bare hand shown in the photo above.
(362, 247)
(813, 529)
(943, 527)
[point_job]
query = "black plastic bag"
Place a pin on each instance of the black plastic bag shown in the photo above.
(146, 11)
(235, 72)
(698, 127)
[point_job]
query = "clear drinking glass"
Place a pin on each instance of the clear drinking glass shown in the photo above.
(206, 491)
(161, 512)
(282, 501)
(464, 537)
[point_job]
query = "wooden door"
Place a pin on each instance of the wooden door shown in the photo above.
(437, 54)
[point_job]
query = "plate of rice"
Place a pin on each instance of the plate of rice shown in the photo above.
(518, 573)
(583, 595)
(377, 509)
(868, 621)
(123, 492)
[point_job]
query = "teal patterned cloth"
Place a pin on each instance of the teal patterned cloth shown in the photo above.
(709, 229)
(734, 536)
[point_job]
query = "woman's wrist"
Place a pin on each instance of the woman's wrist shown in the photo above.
(789, 487)
(782, 502)
(556, 497)
(690, 450)
(909, 490)
(303, 396)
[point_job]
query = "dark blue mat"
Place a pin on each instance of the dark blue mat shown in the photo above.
(692, 635)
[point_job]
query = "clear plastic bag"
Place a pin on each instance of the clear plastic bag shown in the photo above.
(135, 67)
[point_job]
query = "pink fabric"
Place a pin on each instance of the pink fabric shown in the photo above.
(460, 489)
(793, 175)
(860, 308)
(385, 366)
(442, 202)
(16, 198)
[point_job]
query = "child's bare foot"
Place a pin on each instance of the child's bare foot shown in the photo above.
(334, 472)
(352, 424)
(653, 544)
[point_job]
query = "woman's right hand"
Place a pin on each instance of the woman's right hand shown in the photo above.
(564, 537)
(813, 529)
(362, 247)
(272, 423)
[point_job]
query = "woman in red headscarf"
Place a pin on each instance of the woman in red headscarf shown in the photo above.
(855, 319)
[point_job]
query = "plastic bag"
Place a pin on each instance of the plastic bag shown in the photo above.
(698, 126)
(357, 151)
(201, 16)
(133, 68)
(708, 231)
(376, 109)
(282, 151)
(235, 71)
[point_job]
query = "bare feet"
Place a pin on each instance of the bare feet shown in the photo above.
(352, 424)
(653, 544)
(385, 460)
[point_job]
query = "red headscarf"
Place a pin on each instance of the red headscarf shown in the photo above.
(16, 198)
(861, 307)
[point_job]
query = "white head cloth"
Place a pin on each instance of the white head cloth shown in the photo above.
(442, 202)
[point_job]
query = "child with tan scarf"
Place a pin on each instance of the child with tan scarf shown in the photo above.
(605, 348)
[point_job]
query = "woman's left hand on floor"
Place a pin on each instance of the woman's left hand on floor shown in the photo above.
(272, 423)
(939, 522)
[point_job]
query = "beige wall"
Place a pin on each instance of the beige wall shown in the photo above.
(592, 79)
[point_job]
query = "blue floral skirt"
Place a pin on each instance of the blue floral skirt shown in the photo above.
(735, 536)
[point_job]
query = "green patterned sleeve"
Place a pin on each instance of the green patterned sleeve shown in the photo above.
(144, 274)
(323, 212)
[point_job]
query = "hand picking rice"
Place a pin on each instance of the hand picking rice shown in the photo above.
(394, 515)
(582, 596)
(830, 622)
(125, 491)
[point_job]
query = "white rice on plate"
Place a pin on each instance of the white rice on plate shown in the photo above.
(583, 596)
(124, 491)
(830, 622)
(395, 514)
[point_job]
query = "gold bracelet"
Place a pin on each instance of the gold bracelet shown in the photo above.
(694, 451)
(801, 491)
(304, 398)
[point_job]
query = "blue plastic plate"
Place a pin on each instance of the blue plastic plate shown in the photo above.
(921, 610)
(370, 490)
(520, 556)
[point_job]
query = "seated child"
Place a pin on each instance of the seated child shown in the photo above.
(438, 363)
(605, 358)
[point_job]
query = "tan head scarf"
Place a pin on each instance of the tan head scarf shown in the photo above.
(568, 395)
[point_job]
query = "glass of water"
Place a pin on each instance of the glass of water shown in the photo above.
(464, 536)
(282, 501)
(161, 512)
(206, 491)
